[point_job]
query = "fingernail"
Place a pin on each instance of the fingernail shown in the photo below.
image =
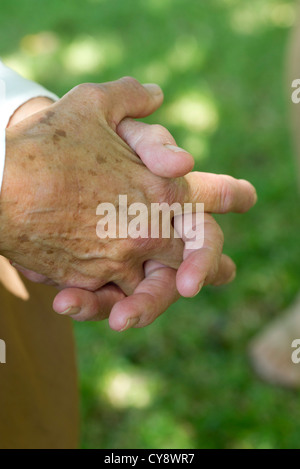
(70, 311)
(153, 89)
(130, 323)
(200, 288)
(175, 149)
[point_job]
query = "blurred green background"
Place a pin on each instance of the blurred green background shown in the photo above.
(186, 381)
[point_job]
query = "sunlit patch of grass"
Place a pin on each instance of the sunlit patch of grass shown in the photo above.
(89, 54)
(186, 53)
(126, 388)
(251, 18)
(194, 111)
(156, 71)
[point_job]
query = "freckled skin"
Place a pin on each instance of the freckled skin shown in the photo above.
(100, 159)
(78, 166)
(92, 173)
(23, 239)
(60, 133)
(55, 139)
(46, 118)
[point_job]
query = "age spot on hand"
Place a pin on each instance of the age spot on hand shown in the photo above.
(55, 139)
(60, 133)
(100, 159)
(92, 173)
(46, 120)
(23, 238)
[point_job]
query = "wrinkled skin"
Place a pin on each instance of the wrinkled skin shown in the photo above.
(50, 219)
(51, 202)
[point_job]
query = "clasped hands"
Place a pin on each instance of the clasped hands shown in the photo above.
(63, 159)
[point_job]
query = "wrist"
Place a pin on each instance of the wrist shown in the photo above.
(28, 108)
(14, 177)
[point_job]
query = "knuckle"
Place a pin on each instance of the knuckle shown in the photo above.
(158, 130)
(143, 247)
(172, 191)
(130, 81)
(227, 196)
(93, 92)
(162, 190)
(120, 255)
(98, 94)
(79, 88)
(83, 88)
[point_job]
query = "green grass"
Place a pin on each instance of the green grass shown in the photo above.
(185, 382)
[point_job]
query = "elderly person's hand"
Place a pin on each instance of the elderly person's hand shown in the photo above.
(154, 294)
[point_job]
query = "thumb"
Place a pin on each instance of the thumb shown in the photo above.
(156, 147)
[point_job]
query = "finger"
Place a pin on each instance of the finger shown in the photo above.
(226, 273)
(202, 265)
(156, 147)
(150, 299)
(220, 193)
(128, 98)
(83, 305)
(129, 282)
(171, 255)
